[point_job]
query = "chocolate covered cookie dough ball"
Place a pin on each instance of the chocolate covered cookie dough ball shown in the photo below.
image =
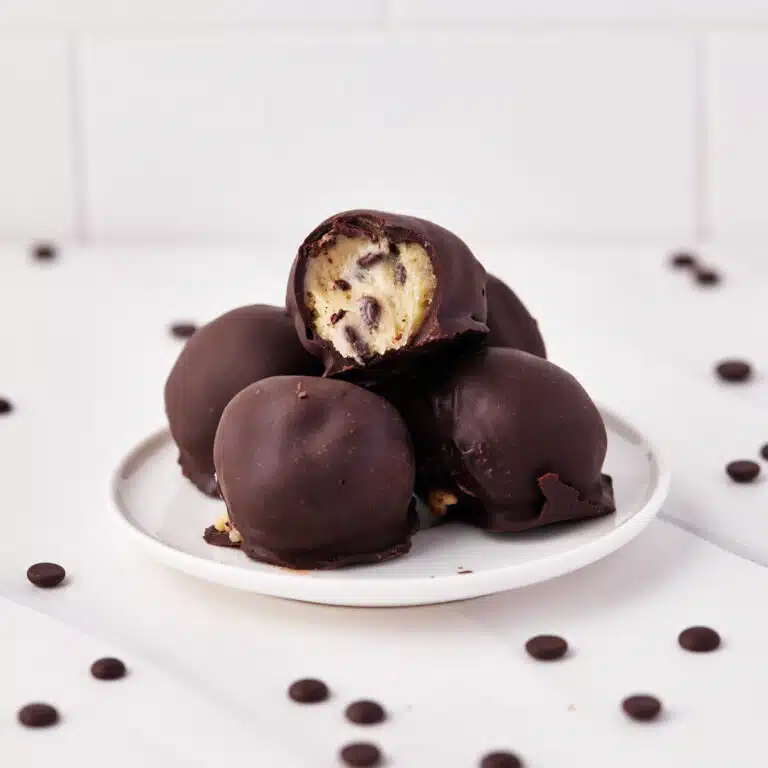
(221, 358)
(509, 322)
(508, 441)
(369, 288)
(316, 473)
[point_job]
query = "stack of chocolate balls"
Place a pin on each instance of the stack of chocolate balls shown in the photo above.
(398, 369)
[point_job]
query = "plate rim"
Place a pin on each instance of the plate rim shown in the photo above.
(399, 592)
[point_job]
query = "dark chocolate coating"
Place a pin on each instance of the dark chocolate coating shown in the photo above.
(316, 473)
(509, 322)
(458, 306)
(223, 357)
(515, 438)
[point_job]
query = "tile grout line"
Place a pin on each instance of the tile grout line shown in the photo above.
(702, 180)
(77, 140)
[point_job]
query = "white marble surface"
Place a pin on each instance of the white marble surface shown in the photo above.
(84, 352)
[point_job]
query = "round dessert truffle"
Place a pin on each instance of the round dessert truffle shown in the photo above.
(316, 473)
(508, 441)
(509, 322)
(369, 290)
(226, 355)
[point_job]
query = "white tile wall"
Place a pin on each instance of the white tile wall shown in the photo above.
(36, 159)
(506, 134)
(738, 133)
(208, 118)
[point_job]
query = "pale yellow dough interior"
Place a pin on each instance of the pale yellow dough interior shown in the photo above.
(399, 280)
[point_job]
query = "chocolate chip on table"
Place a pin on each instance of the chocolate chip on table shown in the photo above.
(44, 251)
(369, 260)
(699, 639)
(370, 311)
(642, 707)
(183, 330)
(6, 406)
(682, 259)
(707, 276)
(342, 285)
(365, 712)
(501, 760)
(400, 273)
(308, 691)
(361, 755)
(764, 451)
(734, 370)
(46, 575)
(743, 470)
(108, 668)
(38, 715)
(546, 647)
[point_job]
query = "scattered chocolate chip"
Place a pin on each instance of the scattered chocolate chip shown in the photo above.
(365, 712)
(108, 668)
(309, 691)
(734, 370)
(370, 311)
(44, 251)
(501, 760)
(369, 260)
(463, 571)
(642, 707)
(218, 538)
(46, 575)
(336, 316)
(707, 276)
(547, 647)
(38, 715)
(183, 330)
(699, 639)
(743, 471)
(764, 451)
(6, 406)
(358, 345)
(400, 273)
(361, 755)
(682, 259)
(342, 285)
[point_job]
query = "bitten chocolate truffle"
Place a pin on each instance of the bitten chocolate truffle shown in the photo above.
(316, 473)
(370, 289)
(508, 441)
(223, 357)
(509, 322)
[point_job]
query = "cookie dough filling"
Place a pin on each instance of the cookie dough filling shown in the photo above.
(367, 298)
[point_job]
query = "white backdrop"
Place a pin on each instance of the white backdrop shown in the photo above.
(218, 120)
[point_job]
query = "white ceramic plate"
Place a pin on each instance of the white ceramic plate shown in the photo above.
(166, 515)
